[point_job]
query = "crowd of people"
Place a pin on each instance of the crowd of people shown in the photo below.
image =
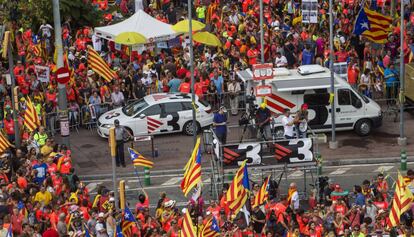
(41, 195)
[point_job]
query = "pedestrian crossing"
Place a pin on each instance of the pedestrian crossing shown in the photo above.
(384, 168)
(340, 171)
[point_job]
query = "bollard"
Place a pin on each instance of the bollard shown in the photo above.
(147, 177)
(403, 160)
(155, 152)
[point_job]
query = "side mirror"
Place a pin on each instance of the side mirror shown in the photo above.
(142, 116)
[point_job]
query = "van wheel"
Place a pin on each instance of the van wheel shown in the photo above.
(363, 127)
(188, 128)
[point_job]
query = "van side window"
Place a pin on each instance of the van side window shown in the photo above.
(347, 97)
(316, 99)
(356, 102)
(344, 97)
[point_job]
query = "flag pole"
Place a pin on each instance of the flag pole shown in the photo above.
(137, 174)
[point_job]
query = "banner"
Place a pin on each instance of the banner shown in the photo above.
(235, 154)
(294, 151)
(42, 73)
(291, 151)
(310, 11)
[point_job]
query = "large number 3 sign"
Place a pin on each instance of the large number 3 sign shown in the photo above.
(235, 154)
(301, 150)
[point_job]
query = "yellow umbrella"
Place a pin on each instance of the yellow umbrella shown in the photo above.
(182, 26)
(207, 38)
(130, 38)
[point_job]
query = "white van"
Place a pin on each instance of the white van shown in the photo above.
(310, 84)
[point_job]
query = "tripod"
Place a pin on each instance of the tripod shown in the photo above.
(246, 119)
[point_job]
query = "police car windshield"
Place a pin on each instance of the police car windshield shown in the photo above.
(134, 107)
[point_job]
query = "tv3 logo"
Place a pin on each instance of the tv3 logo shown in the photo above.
(245, 151)
(296, 150)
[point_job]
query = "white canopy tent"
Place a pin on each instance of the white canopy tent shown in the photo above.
(142, 23)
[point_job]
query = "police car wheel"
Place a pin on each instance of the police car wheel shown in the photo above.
(188, 128)
(363, 127)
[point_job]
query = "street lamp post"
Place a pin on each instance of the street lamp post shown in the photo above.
(63, 104)
(402, 140)
(261, 34)
(333, 144)
(190, 36)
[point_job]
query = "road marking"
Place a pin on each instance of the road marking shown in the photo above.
(296, 174)
(340, 171)
(383, 168)
(172, 181)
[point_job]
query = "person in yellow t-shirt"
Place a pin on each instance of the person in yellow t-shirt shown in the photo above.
(201, 13)
(47, 148)
(44, 197)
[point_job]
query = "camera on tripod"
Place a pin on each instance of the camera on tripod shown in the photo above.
(248, 116)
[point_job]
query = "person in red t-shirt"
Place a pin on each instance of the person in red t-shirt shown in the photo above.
(342, 55)
(50, 232)
(9, 126)
(185, 86)
(252, 54)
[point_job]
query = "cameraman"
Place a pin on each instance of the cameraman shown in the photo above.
(301, 119)
(263, 117)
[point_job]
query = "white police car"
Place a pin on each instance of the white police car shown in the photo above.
(158, 114)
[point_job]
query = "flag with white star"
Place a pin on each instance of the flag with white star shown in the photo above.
(361, 23)
(128, 216)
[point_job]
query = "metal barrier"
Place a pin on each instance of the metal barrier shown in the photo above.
(53, 121)
(90, 114)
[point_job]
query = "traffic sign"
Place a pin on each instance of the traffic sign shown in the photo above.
(263, 90)
(262, 71)
(63, 75)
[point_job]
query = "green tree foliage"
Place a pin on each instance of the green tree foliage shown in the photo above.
(31, 13)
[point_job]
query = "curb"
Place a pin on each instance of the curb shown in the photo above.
(363, 161)
(341, 162)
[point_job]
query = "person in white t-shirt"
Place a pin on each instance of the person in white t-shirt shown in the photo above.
(280, 60)
(288, 123)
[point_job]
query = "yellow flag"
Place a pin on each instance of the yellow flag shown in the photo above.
(331, 98)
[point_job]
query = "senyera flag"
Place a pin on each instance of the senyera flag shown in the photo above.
(263, 193)
(192, 170)
(31, 118)
(401, 202)
(98, 65)
(4, 143)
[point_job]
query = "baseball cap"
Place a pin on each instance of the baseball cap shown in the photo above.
(101, 214)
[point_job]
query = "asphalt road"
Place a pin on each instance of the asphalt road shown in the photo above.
(347, 176)
(93, 163)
